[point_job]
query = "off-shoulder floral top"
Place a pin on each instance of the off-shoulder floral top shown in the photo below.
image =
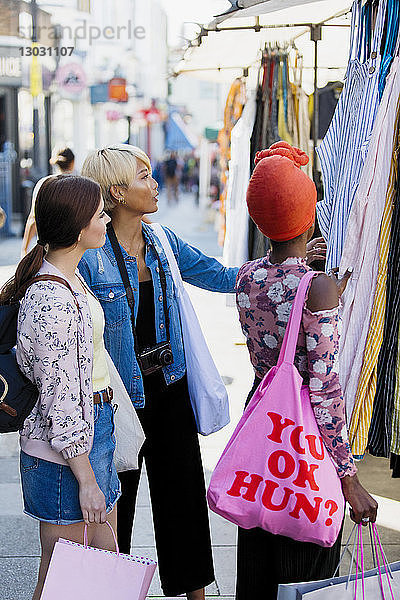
(264, 296)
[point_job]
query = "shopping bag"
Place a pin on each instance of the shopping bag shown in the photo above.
(84, 573)
(380, 583)
(275, 472)
(208, 394)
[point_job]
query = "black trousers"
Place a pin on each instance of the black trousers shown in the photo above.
(177, 489)
(265, 560)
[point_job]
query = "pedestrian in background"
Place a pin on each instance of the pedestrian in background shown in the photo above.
(172, 177)
(158, 389)
(158, 174)
(67, 442)
(65, 161)
(281, 200)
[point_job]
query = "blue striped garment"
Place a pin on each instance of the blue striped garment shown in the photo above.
(390, 44)
(344, 149)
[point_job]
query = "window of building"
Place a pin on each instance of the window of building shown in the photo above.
(84, 5)
(25, 25)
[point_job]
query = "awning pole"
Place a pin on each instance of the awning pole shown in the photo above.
(316, 36)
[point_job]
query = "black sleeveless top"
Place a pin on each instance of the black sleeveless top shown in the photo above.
(145, 321)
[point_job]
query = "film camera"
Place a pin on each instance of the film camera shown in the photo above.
(154, 359)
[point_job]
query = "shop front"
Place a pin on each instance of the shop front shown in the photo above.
(10, 83)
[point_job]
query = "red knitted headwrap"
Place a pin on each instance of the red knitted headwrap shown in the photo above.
(281, 198)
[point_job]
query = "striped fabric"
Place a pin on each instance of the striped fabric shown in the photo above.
(344, 149)
(380, 433)
(395, 446)
(361, 248)
(390, 43)
(362, 412)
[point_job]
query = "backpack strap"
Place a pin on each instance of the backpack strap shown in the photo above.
(57, 279)
(48, 277)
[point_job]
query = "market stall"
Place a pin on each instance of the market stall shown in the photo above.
(359, 214)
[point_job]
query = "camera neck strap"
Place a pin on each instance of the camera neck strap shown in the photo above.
(128, 288)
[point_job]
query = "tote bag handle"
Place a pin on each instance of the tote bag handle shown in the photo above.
(289, 343)
(358, 560)
(173, 265)
(85, 537)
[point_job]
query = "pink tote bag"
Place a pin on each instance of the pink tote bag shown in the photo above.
(275, 472)
(80, 572)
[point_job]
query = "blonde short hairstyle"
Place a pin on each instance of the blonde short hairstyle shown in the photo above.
(114, 165)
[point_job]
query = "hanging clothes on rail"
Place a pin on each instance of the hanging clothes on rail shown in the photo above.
(395, 465)
(344, 149)
(236, 237)
(283, 103)
(395, 444)
(299, 117)
(380, 433)
(328, 97)
(389, 42)
(364, 400)
(233, 110)
(282, 113)
(361, 248)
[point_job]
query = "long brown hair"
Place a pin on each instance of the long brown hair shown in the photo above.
(65, 205)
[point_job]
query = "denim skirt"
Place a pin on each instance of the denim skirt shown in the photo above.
(51, 491)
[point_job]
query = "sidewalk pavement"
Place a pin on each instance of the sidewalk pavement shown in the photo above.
(19, 543)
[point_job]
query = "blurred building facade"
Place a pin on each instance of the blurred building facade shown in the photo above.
(100, 78)
(122, 45)
(16, 107)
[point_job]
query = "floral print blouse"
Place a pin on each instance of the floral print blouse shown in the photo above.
(51, 335)
(264, 297)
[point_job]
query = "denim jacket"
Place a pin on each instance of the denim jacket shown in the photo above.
(99, 269)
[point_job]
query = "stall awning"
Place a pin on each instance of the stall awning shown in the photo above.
(251, 8)
(225, 52)
(178, 135)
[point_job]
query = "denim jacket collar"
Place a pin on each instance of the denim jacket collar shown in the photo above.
(150, 239)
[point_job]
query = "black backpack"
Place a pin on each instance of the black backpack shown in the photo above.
(18, 395)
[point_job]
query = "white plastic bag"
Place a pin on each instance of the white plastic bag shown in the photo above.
(128, 433)
(208, 395)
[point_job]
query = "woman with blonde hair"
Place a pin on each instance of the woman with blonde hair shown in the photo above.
(148, 353)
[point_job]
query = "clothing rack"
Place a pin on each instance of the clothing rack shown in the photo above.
(315, 29)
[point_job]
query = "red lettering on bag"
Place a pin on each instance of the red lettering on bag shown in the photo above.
(289, 464)
(270, 487)
(251, 486)
(306, 474)
(332, 506)
(309, 510)
(312, 439)
(278, 426)
(295, 440)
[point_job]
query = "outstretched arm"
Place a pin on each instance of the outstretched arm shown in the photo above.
(320, 322)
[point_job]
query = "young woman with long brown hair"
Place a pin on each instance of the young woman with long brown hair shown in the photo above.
(67, 442)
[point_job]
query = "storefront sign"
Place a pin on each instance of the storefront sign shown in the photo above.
(71, 80)
(10, 66)
(99, 93)
(117, 90)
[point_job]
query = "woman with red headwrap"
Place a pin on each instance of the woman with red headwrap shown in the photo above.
(281, 200)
